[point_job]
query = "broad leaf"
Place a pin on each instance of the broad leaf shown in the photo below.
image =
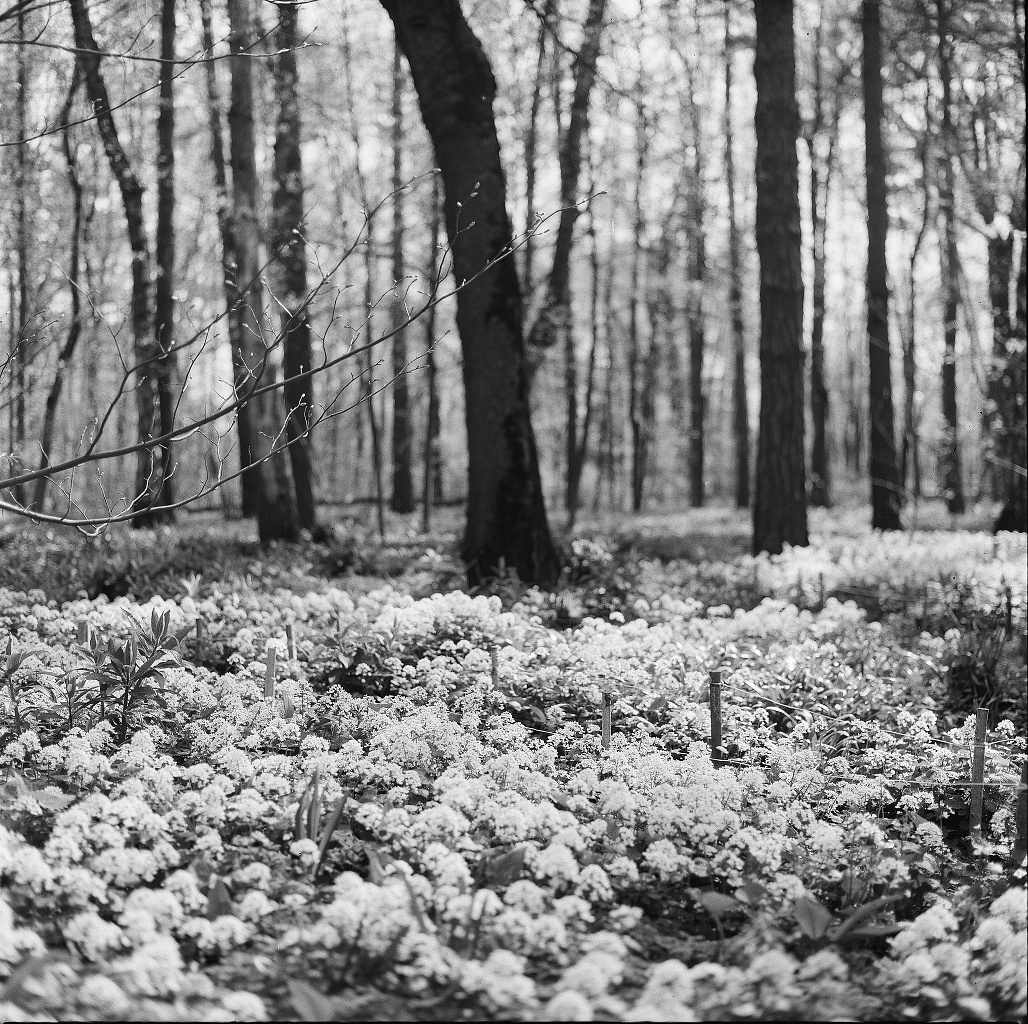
(717, 904)
(219, 900)
(309, 1003)
(506, 868)
(812, 916)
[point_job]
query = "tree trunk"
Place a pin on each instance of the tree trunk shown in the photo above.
(554, 321)
(20, 352)
(432, 476)
(950, 456)
(697, 272)
(148, 482)
(164, 250)
(531, 145)
(74, 276)
(271, 472)
(248, 505)
(636, 415)
(403, 440)
(884, 478)
(506, 517)
(740, 399)
(288, 243)
(780, 512)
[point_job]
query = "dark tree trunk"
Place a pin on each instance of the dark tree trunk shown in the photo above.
(780, 511)
(164, 248)
(20, 351)
(531, 145)
(885, 495)
(228, 252)
(270, 469)
(950, 456)
(636, 411)
(148, 484)
(432, 476)
(74, 277)
(697, 273)
(740, 399)
(403, 441)
(554, 321)
(506, 516)
(289, 247)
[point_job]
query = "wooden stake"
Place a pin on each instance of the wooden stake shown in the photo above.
(1020, 850)
(494, 657)
(821, 589)
(605, 736)
(981, 724)
(1008, 611)
(715, 716)
(269, 672)
(199, 628)
(290, 642)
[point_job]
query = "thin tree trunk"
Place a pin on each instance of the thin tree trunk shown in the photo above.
(403, 440)
(74, 277)
(884, 477)
(635, 398)
(531, 145)
(431, 491)
(276, 505)
(740, 399)
(553, 324)
(289, 246)
(164, 250)
(780, 511)
(506, 520)
(697, 202)
(576, 458)
(148, 482)
(951, 462)
(20, 352)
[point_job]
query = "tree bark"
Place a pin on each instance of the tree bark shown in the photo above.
(403, 440)
(148, 482)
(20, 351)
(636, 413)
(740, 399)
(164, 249)
(74, 276)
(248, 505)
(432, 475)
(884, 477)
(289, 245)
(950, 454)
(780, 511)
(506, 517)
(269, 467)
(553, 323)
(531, 145)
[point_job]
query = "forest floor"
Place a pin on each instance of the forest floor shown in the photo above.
(321, 781)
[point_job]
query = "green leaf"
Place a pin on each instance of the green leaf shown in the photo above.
(751, 892)
(506, 868)
(717, 904)
(330, 826)
(309, 1003)
(658, 705)
(219, 900)
(812, 916)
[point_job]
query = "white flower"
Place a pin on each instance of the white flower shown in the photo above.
(568, 1005)
(104, 997)
(244, 1006)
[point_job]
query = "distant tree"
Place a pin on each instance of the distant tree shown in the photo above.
(269, 466)
(150, 461)
(402, 499)
(740, 402)
(289, 248)
(506, 517)
(952, 472)
(780, 511)
(885, 499)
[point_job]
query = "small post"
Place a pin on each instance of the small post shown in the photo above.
(290, 642)
(1008, 611)
(981, 724)
(83, 633)
(756, 577)
(821, 590)
(494, 658)
(269, 672)
(715, 716)
(904, 597)
(199, 627)
(605, 736)
(924, 606)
